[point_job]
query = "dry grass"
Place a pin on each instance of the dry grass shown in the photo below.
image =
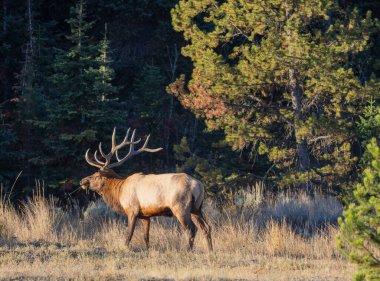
(252, 240)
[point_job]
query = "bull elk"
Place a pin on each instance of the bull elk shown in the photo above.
(144, 196)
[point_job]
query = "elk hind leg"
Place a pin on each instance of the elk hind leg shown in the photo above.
(201, 223)
(185, 220)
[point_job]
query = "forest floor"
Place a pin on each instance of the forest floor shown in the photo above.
(253, 242)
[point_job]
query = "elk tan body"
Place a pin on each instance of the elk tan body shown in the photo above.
(151, 195)
(143, 196)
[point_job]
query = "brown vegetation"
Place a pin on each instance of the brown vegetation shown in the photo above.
(251, 242)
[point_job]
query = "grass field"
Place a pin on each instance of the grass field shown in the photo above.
(283, 238)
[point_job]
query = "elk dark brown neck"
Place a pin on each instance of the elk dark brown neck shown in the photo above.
(111, 193)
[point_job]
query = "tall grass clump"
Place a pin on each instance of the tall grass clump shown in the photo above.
(304, 213)
(37, 219)
(9, 219)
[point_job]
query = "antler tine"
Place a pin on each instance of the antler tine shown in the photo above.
(133, 138)
(132, 150)
(143, 148)
(132, 142)
(106, 157)
(101, 150)
(117, 156)
(126, 136)
(90, 161)
(113, 139)
(133, 135)
(96, 158)
(124, 142)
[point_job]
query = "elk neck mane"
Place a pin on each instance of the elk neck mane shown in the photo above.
(111, 191)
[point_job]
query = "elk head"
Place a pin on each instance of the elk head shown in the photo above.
(97, 180)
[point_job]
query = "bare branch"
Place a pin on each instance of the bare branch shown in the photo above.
(319, 138)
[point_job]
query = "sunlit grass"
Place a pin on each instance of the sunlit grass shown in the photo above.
(252, 241)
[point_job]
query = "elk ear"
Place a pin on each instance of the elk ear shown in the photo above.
(104, 172)
(109, 173)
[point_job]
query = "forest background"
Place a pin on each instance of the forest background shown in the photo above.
(72, 70)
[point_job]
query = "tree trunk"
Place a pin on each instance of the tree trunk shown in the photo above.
(173, 59)
(296, 93)
(30, 27)
(28, 83)
(5, 12)
(302, 150)
(80, 28)
(5, 29)
(194, 133)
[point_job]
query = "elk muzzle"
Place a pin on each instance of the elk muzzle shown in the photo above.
(84, 183)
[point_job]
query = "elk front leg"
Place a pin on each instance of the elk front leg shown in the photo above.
(146, 226)
(131, 227)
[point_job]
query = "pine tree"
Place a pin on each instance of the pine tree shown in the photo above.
(278, 77)
(108, 108)
(215, 168)
(360, 237)
(31, 105)
(211, 176)
(12, 38)
(369, 124)
(149, 98)
(83, 105)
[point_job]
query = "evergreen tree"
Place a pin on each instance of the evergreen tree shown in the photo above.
(360, 236)
(211, 176)
(12, 38)
(82, 106)
(216, 168)
(278, 77)
(369, 124)
(149, 99)
(8, 154)
(31, 105)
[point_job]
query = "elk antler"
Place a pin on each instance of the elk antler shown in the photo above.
(114, 151)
